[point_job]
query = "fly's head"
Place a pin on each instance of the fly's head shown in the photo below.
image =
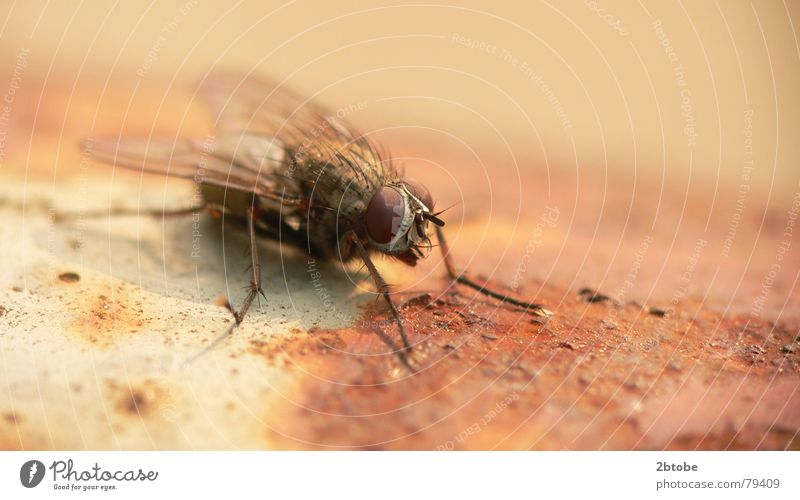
(397, 220)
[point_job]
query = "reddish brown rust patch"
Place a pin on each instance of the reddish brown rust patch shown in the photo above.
(489, 377)
(109, 315)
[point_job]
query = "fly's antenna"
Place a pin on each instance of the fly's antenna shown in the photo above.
(436, 220)
(433, 218)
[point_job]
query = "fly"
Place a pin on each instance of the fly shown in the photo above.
(282, 166)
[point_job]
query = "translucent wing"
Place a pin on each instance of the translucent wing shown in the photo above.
(244, 163)
(262, 129)
(314, 136)
(261, 106)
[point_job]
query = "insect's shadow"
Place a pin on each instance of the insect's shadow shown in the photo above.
(199, 259)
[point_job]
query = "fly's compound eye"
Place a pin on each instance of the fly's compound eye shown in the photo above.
(385, 214)
(420, 192)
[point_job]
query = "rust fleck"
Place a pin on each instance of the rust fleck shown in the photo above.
(12, 418)
(223, 301)
(69, 277)
(142, 399)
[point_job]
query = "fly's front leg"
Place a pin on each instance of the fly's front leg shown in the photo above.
(383, 288)
(536, 309)
(255, 283)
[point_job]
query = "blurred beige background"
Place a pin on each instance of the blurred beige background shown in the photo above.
(575, 85)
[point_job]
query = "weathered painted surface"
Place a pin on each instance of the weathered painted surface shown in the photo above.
(662, 339)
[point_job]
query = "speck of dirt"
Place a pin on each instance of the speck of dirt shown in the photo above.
(788, 348)
(657, 312)
(16, 288)
(3, 311)
(69, 277)
(608, 324)
(423, 300)
(489, 336)
(137, 402)
(472, 319)
(754, 354)
(591, 296)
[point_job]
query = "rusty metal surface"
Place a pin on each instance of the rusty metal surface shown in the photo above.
(658, 340)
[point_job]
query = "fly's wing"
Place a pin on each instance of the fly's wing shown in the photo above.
(263, 131)
(260, 106)
(249, 104)
(243, 163)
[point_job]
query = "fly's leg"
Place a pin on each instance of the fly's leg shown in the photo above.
(255, 291)
(383, 289)
(120, 212)
(401, 353)
(536, 309)
(255, 284)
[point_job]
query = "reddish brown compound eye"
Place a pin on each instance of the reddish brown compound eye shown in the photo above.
(384, 214)
(420, 192)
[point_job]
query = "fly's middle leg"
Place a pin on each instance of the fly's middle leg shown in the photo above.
(255, 284)
(254, 291)
(537, 309)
